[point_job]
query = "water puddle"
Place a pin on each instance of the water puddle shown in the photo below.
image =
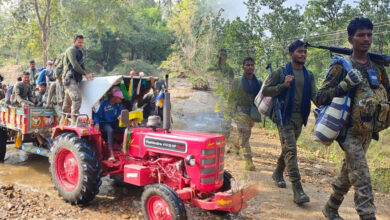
(25, 169)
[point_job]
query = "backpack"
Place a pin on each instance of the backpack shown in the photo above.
(59, 66)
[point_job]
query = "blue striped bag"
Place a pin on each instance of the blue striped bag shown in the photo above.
(331, 119)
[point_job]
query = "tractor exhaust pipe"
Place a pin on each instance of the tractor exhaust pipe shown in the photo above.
(167, 107)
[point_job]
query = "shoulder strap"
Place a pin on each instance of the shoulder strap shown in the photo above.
(21, 88)
(282, 75)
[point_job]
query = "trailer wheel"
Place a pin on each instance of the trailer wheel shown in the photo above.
(75, 169)
(3, 143)
(160, 202)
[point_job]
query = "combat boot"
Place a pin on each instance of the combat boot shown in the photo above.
(368, 217)
(248, 164)
(299, 195)
(331, 213)
(277, 176)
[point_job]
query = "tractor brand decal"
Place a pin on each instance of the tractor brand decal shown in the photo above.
(131, 175)
(35, 121)
(165, 144)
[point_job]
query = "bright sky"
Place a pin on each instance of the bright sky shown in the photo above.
(236, 8)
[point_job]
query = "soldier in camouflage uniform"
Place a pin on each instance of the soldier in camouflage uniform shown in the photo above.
(244, 90)
(55, 96)
(33, 74)
(22, 93)
(42, 95)
(294, 86)
(353, 141)
(72, 75)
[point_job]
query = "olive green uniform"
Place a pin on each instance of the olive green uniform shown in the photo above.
(240, 103)
(33, 77)
(72, 98)
(41, 99)
(21, 94)
(355, 171)
(55, 96)
(274, 86)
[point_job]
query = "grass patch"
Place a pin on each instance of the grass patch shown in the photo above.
(378, 156)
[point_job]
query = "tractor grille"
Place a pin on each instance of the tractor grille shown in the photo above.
(212, 165)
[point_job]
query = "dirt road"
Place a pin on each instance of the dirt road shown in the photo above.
(26, 191)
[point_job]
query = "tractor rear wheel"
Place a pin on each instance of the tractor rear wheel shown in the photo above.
(75, 169)
(3, 143)
(160, 202)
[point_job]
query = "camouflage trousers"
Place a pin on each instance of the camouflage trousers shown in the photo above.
(238, 141)
(355, 172)
(72, 100)
(288, 157)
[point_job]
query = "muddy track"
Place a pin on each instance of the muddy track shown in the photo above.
(32, 194)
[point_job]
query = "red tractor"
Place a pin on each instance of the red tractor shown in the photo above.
(175, 167)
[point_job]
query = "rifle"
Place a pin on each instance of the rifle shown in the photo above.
(277, 107)
(378, 58)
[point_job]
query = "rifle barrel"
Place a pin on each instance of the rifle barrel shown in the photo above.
(381, 59)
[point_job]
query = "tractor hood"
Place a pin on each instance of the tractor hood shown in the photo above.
(92, 91)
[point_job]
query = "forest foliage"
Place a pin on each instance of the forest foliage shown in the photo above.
(181, 36)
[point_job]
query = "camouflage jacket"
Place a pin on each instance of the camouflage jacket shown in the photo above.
(70, 62)
(21, 93)
(330, 87)
(33, 76)
(41, 99)
(238, 97)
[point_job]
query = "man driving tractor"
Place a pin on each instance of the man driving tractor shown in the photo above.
(106, 118)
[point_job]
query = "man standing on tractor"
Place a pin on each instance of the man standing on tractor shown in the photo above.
(33, 74)
(368, 87)
(107, 118)
(22, 94)
(244, 90)
(294, 86)
(73, 73)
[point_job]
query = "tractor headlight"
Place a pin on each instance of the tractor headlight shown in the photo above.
(190, 160)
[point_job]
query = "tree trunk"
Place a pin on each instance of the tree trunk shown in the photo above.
(44, 24)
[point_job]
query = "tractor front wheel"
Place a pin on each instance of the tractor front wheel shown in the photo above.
(160, 202)
(75, 169)
(3, 143)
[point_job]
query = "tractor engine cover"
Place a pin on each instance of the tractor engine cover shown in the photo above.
(136, 174)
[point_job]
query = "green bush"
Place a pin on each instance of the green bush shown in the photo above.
(138, 66)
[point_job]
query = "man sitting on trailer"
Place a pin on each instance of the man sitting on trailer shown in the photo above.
(106, 118)
(42, 94)
(22, 92)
